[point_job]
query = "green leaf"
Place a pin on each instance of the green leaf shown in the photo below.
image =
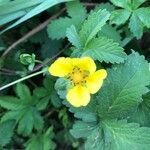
(48, 83)
(42, 104)
(73, 37)
(123, 89)
(111, 33)
(40, 92)
(87, 114)
(55, 100)
(55, 26)
(113, 135)
(9, 102)
(77, 14)
(104, 49)
(109, 7)
(120, 16)
(76, 11)
(26, 122)
(137, 3)
(93, 24)
(144, 16)
(142, 115)
(136, 26)
(125, 135)
(82, 130)
(41, 141)
(6, 132)
(122, 3)
(29, 119)
(61, 87)
(10, 115)
(23, 92)
(38, 120)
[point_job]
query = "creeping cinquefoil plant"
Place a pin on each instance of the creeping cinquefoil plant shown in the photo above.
(76, 76)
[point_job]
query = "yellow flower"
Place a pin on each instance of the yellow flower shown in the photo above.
(83, 76)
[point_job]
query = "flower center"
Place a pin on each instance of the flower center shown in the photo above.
(78, 76)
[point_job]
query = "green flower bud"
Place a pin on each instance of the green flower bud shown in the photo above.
(27, 59)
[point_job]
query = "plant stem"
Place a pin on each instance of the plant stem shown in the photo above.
(22, 79)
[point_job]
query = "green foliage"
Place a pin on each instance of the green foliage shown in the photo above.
(126, 89)
(36, 115)
(113, 134)
(6, 132)
(76, 15)
(142, 115)
(42, 141)
(138, 17)
(104, 49)
(23, 110)
(92, 25)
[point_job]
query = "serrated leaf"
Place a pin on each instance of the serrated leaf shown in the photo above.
(142, 115)
(6, 132)
(29, 119)
(113, 135)
(77, 15)
(93, 24)
(120, 16)
(104, 49)
(73, 37)
(136, 26)
(127, 135)
(144, 16)
(60, 25)
(76, 11)
(87, 114)
(26, 122)
(41, 141)
(122, 3)
(9, 102)
(137, 3)
(60, 87)
(106, 6)
(40, 92)
(10, 115)
(49, 83)
(55, 100)
(123, 89)
(38, 120)
(111, 33)
(82, 130)
(23, 92)
(42, 104)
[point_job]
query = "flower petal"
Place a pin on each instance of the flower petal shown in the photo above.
(85, 63)
(61, 67)
(78, 96)
(95, 80)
